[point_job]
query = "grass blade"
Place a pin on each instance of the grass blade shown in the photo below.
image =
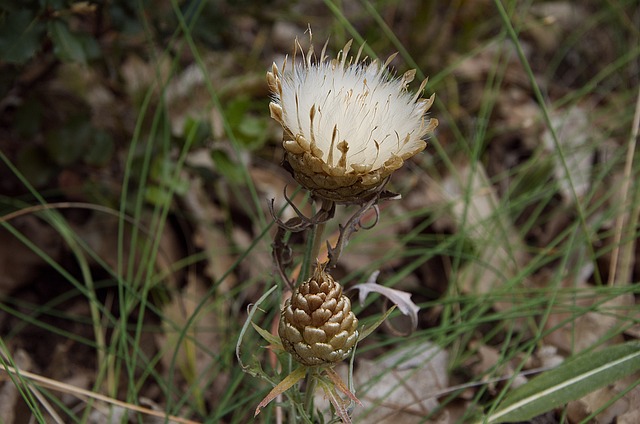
(572, 380)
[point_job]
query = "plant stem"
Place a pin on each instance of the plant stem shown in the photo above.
(311, 383)
(310, 380)
(317, 242)
(311, 255)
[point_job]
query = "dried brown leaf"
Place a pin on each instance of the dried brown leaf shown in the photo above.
(209, 237)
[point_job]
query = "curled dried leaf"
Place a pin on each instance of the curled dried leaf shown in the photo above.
(400, 298)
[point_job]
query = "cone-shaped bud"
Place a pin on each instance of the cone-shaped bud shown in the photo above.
(317, 325)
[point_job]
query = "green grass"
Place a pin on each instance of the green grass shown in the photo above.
(507, 246)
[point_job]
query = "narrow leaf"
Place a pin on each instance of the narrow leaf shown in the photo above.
(365, 333)
(337, 381)
(249, 319)
(572, 380)
(282, 387)
(273, 340)
(338, 403)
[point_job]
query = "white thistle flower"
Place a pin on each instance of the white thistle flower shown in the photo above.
(348, 124)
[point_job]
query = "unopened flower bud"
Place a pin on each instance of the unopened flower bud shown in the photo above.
(317, 325)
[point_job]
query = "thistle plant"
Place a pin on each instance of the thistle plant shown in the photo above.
(348, 124)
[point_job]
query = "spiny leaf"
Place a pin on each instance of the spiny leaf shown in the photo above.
(572, 380)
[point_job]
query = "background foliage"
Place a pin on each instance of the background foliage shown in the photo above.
(138, 158)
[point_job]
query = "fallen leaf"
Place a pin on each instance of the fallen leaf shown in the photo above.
(397, 388)
(572, 166)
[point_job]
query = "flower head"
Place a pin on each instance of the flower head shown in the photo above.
(348, 123)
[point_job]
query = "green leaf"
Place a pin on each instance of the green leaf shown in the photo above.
(90, 46)
(157, 195)
(69, 46)
(164, 172)
(198, 130)
(20, 36)
(236, 109)
(572, 380)
(273, 340)
(252, 132)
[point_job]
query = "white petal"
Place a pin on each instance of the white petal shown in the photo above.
(359, 105)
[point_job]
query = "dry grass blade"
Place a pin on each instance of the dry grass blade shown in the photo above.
(79, 392)
(622, 255)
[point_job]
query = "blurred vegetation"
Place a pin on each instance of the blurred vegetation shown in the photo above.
(65, 64)
(98, 99)
(67, 103)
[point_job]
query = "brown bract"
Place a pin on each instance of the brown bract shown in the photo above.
(317, 325)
